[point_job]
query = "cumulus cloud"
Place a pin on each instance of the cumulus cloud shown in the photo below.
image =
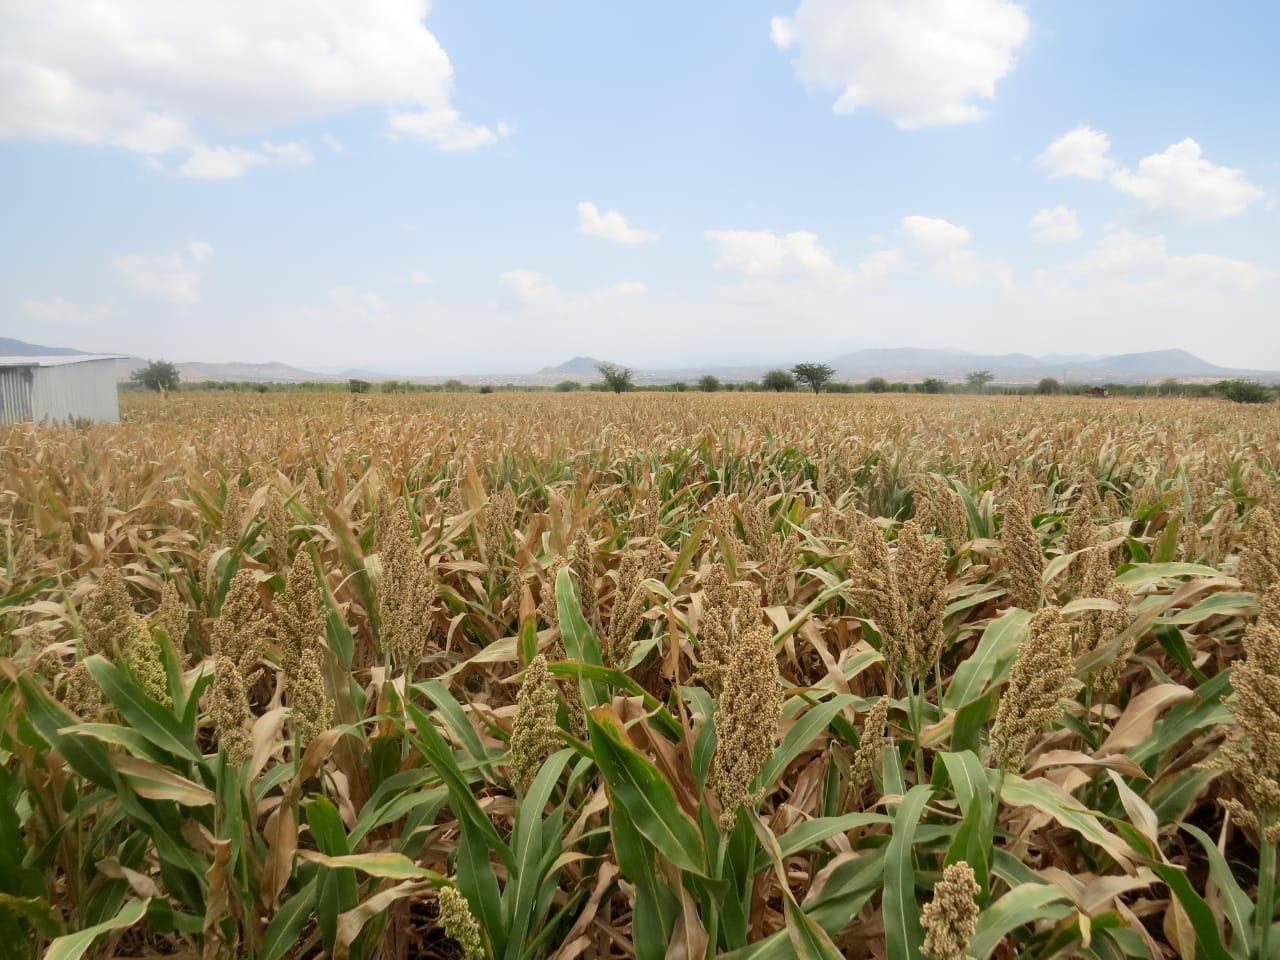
(528, 286)
(56, 311)
(943, 248)
(918, 62)
(763, 252)
(933, 234)
(172, 278)
(1055, 225)
(222, 163)
(1179, 182)
(1136, 257)
(1183, 183)
(628, 288)
(354, 301)
(610, 225)
(1082, 152)
(157, 78)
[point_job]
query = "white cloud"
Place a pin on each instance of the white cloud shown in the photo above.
(352, 301)
(156, 78)
(1082, 152)
(1180, 182)
(1122, 251)
(57, 311)
(1128, 257)
(172, 278)
(919, 62)
(222, 163)
(933, 234)
(762, 252)
(1210, 272)
(943, 249)
(1055, 225)
(628, 288)
(528, 286)
(420, 277)
(610, 225)
(879, 265)
(333, 143)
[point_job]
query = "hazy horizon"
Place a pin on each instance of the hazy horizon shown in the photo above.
(496, 189)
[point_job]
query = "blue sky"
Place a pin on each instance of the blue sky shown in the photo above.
(403, 188)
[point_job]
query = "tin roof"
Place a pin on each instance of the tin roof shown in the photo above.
(58, 360)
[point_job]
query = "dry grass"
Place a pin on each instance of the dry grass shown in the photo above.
(241, 759)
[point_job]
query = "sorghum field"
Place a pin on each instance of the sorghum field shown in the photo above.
(664, 675)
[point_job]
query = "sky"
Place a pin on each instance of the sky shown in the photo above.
(486, 187)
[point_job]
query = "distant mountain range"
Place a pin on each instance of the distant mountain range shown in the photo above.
(907, 364)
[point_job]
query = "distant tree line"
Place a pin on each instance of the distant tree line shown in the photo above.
(162, 376)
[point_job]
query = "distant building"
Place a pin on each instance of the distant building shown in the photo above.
(1098, 392)
(56, 389)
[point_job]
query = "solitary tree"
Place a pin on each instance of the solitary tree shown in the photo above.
(158, 375)
(708, 384)
(1048, 385)
(877, 385)
(779, 380)
(813, 375)
(978, 379)
(931, 385)
(618, 379)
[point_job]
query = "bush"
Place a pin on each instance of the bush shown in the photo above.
(779, 380)
(1048, 385)
(158, 375)
(877, 385)
(1244, 391)
(708, 384)
(568, 386)
(932, 385)
(813, 375)
(615, 378)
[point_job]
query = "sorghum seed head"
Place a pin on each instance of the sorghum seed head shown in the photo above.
(107, 616)
(950, 919)
(1022, 557)
(459, 924)
(749, 708)
(534, 734)
(240, 632)
(146, 662)
(1260, 558)
(1042, 675)
(230, 709)
(870, 745)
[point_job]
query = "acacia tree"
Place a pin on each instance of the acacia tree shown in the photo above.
(779, 380)
(618, 379)
(158, 375)
(813, 375)
(978, 379)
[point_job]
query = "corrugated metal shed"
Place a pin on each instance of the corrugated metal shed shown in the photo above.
(58, 388)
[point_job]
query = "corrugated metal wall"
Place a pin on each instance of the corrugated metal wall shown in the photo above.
(70, 390)
(15, 394)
